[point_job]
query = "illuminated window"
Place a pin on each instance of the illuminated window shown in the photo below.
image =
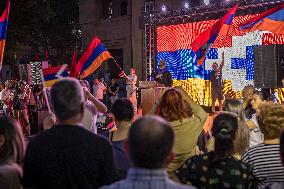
(107, 9)
(110, 11)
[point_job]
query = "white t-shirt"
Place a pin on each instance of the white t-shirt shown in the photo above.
(98, 91)
(132, 78)
(90, 117)
(5, 94)
(256, 136)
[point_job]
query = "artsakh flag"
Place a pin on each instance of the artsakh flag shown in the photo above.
(54, 74)
(271, 20)
(3, 31)
(203, 42)
(92, 58)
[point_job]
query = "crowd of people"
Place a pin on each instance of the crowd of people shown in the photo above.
(243, 149)
(19, 99)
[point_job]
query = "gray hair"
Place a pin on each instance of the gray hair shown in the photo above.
(66, 98)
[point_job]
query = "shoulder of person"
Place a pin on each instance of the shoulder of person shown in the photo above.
(10, 168)
(10, 175)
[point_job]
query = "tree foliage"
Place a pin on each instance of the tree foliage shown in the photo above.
(37, 26)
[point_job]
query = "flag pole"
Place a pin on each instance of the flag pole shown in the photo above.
(44, 92)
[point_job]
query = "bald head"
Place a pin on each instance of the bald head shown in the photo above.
(151, 139)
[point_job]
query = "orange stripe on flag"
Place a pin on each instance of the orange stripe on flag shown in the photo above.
(224, 30)
(201, 60)
(2, 47)
(270, 25)
(95, 64)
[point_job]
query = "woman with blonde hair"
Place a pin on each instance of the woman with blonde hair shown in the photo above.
(12, 150)
(187, 120)
(241, 142)
(264, 158)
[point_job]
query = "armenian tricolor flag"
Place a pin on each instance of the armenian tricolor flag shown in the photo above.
(54, 74)
(3, 31)
(92, 58)
(73, 71)
(271, 20)
(203, 42)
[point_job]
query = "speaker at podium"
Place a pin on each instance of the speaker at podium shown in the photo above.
(150, 92)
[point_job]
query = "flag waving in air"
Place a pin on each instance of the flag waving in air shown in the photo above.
(3, 31)
(73, 71)
(271, 20)
(92, 58)
(54, 74)
(203, 42)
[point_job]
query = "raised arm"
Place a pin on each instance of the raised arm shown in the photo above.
(197, 110)
(99, 105)
(222, 63)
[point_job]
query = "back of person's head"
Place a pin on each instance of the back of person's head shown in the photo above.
(241, 142)
(271, 120)
(248, 91)
(67, 99)
(264, 95)
(235, 106)
(224, 131)
(173, 106)
(151, 140)
(12, 143)
(122, 109)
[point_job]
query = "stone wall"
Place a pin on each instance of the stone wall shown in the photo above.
(118, 32)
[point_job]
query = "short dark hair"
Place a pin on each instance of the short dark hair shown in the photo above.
(151, 139)
(66, 98)
(122, 109)
(263, 94)
(224, 131)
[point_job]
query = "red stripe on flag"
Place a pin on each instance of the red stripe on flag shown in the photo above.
(53, 70)
(5, 14)
(95, 42)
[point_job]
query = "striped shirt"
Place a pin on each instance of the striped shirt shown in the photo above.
(265, 163)
(147, 179)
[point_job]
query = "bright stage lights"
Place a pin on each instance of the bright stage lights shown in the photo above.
(164, 8)
(206, 2)
(186, 5)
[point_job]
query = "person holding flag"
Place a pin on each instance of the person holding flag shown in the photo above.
(217, 84)
(131, 81)
(201, 46)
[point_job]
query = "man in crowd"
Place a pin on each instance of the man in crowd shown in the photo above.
(67, 155)
(6, 96)
(99, 89)
(150, 143)
(113, 90)
(21, 98)
(217, 84)
(164, 76)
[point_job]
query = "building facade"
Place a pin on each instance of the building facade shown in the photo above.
(119, 25)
